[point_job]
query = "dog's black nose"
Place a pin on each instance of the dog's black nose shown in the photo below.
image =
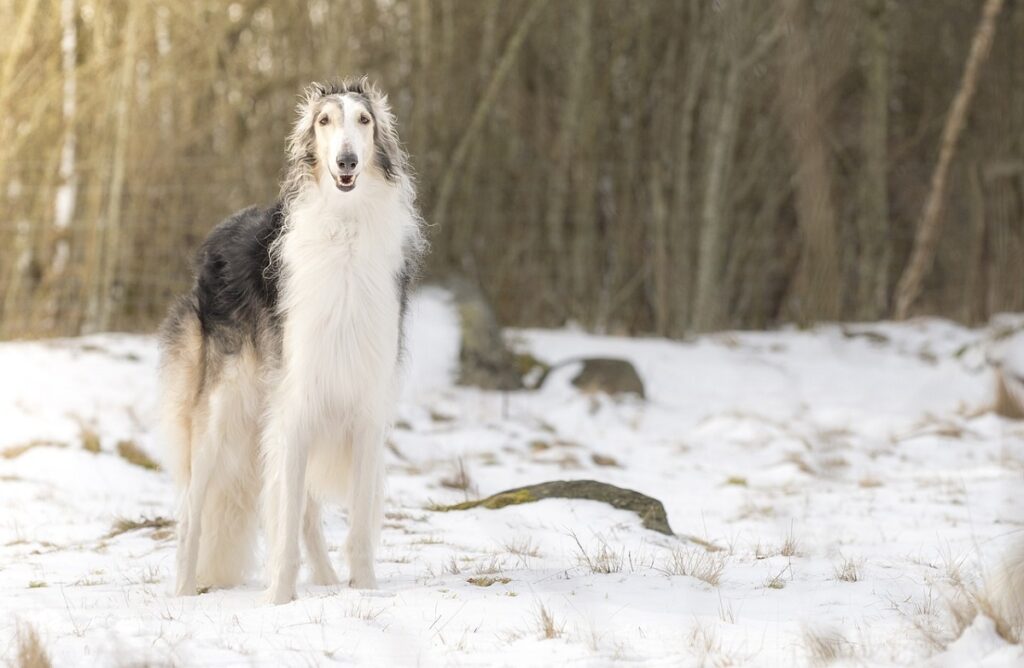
(347, 161)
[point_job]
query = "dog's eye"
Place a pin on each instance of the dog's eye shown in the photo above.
(324, 120)
(364, 119)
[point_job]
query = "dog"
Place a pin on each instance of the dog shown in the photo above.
(279, 369)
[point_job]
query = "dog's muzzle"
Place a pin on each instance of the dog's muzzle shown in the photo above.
(346, 178)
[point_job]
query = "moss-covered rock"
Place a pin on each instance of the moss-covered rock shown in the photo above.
(650, 510)
(609, 375)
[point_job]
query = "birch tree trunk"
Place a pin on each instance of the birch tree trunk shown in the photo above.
(67, 191)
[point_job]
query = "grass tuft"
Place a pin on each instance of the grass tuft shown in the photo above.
(603, 561)
(826, 646)
(124, 524)
(16, 451)
(487, 580)
(696, 563)
(549, 627)
(133, 454)
(31, 653)
(847, 570)
(790, 546)
(90, 440)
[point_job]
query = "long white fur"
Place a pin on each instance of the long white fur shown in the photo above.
(332, 401)
(321, 413)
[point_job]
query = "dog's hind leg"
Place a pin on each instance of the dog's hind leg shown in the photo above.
(203, 461)
(229, 529)
(223, 489)
(230, 516)
(366, 489)
(316, 546)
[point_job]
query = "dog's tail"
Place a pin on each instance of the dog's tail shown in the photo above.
(181, 377)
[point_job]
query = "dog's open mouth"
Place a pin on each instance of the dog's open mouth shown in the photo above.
(345, 182)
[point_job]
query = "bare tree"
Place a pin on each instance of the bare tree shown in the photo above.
(873, 216)
(928, 229)
(816, 290)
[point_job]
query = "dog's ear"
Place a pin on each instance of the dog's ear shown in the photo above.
(300, 141)
(385, 135)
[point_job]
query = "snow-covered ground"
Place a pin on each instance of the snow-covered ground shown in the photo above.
(831, 491)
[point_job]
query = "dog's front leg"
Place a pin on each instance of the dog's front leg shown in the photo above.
(287, 451)
(366, 503)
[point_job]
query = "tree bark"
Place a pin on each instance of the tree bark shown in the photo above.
(709, 311)
(923, 254)
(817, 285)
(873, 213)
(572, 108)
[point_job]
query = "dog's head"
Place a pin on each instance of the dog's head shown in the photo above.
(345, 130)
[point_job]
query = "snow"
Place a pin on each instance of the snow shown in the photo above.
(849, 477)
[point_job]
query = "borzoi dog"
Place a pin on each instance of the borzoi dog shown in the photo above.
(286, 353)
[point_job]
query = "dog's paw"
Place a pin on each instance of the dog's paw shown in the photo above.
(363, 581)
(325, 578)
(185, 588)
(278, 596)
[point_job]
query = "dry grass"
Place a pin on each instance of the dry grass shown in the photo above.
(941, 625)
(90, 440)
(725, 611)
(704, 642)
(605, 460)
(18, 450)
(778, 580)
(547, 624)
(363, 609)
(521, 547)
(847, 570)
(495, 565)
(133, 454)
(31, 653)
(826, 646)
(603, 560)
(487, 580)
(124, 525)
(696, 563)
(790, 547)
(451, 567)
(708, 649)
(460, 480)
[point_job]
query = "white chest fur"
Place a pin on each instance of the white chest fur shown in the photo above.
(341, 256)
